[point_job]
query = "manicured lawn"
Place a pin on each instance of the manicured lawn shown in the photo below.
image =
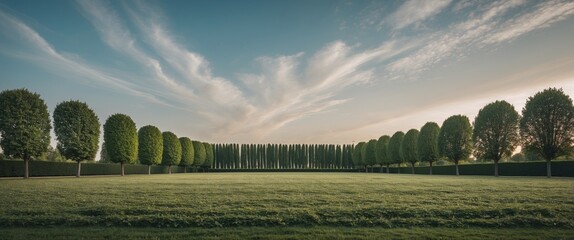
(277, 205)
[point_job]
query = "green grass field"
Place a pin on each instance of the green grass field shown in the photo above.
(287, 205)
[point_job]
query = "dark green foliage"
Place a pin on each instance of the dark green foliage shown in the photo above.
(171, 149)
(121, 138)
(409, 149)
(150, 145)
(187, 152)
(358, 155)
(77, 129)
(200, 154)
(24, 125)
(547, 125)
(394, 148)
(427, 144)
(455, 139)
(209, 157)
(495, 133)
(371, 153)
(382, 151)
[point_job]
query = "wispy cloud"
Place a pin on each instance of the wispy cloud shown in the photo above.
(46, 54)
(414, 11)
(495, 23)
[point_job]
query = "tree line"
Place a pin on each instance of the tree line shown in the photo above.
(545, 130)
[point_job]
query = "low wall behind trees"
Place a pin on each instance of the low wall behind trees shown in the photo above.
(14, 168)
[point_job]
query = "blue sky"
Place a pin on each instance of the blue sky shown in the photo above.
(286, 71)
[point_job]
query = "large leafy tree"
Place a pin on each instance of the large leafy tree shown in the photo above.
(121, 139)
(495, 133)
(409, 148)
(150, 146)
(382, 151)
(357, 155)
(171, 150)
(394, 148)
(209, 157)
(370, 153)
(455, 139)
(187, 152)
(77, 129)
(24, 125)
(427, 144)
(547, 125)
(199, 154)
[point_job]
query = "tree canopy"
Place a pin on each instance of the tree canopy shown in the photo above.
(187, 152)
(455, 139)
(495, 133)
(77, 130)
(382, 152)
(357, 155)
(199, 153)
(394, 147)
(121, 138)
(409, 147)
(150, 146)
(547, 124)
(209, 157)
(370, 153)
(171, 150)
(24, 125)
(427, 144)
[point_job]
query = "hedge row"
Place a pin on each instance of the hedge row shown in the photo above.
(41, 168)
(10, 168)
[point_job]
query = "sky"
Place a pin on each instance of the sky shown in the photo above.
(297, 71)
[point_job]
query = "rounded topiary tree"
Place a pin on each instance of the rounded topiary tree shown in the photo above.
(150, 146)
(357, 155)
(455, 139)
(77, 129)
(209, 156)
(199, 154)
(495, 134)
(187, 153)
(370, 154)
(427, 144)
(24, 125)
(121, 139)
(409, 148)
(382, 152)
(547, 125)
(171, 150)
(394, 148)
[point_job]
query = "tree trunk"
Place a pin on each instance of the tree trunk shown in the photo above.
(456, 166)
(148, 169)
(122, 166)
(169, 169)
(79, 169)
(412, 168)
(548, 169)
(430, 169)
(388, 168)
(496, 168)
(381, 170)
(184, 169)
(26, 172)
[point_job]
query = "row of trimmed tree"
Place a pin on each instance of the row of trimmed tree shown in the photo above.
(545, 129)
(25, 134)
(283, 156)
